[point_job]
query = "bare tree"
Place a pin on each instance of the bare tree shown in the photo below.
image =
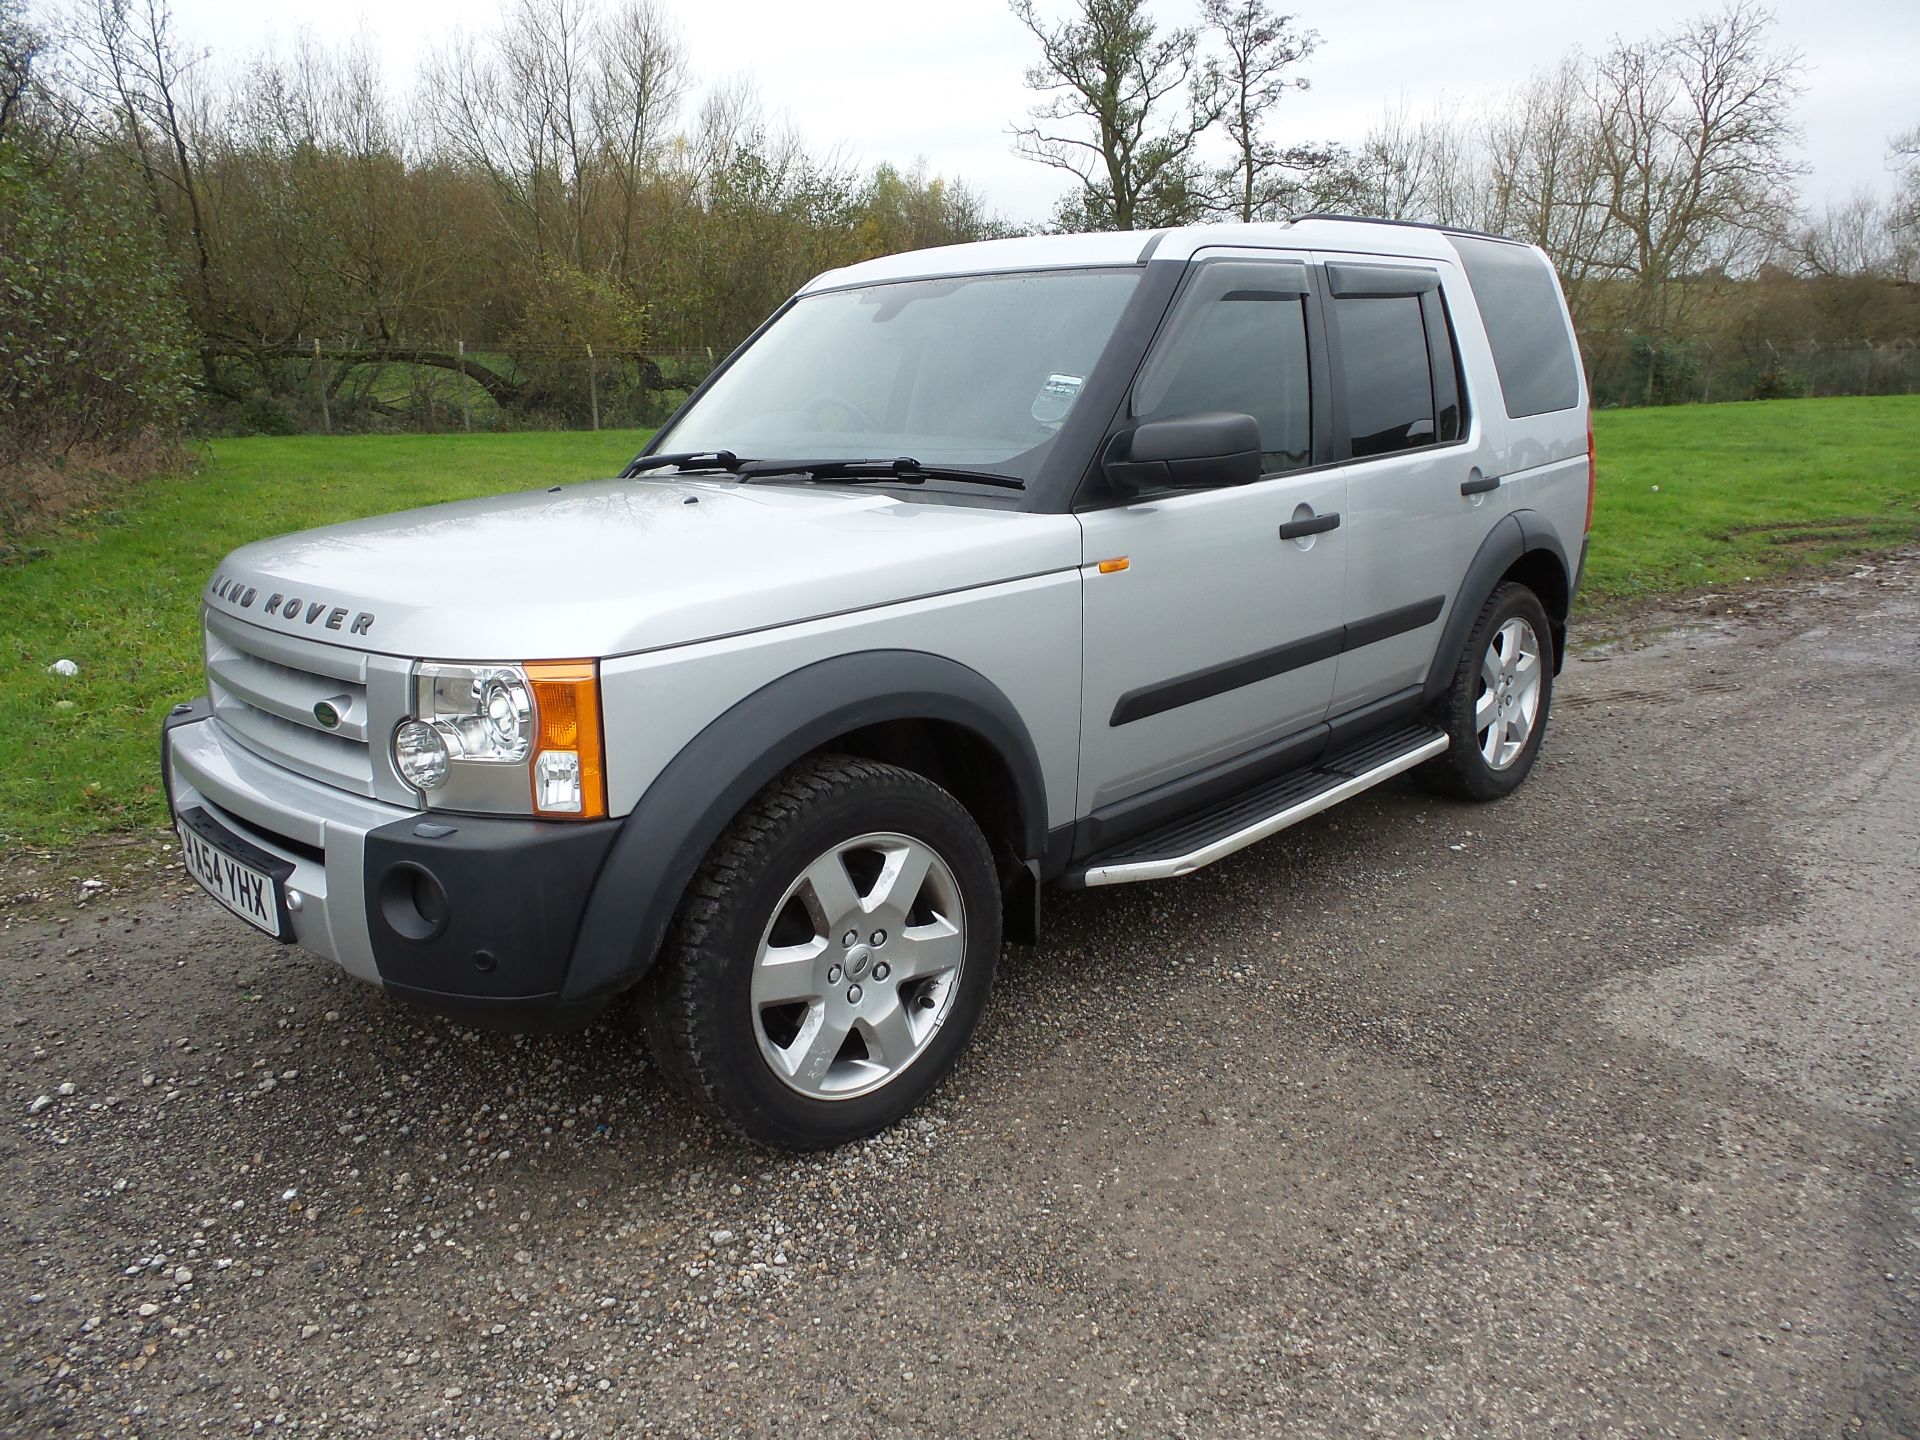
(1413, 168)
(1903, 153)
(1262, 53)
(1543, 172)
(134, 69)
(20, 47)
(1695, 151)
(641, 73)
(1856, 237)
(564, 99)
(1126, 108)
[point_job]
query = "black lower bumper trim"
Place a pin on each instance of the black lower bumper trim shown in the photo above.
(481, 911)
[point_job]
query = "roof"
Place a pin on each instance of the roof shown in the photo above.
(1134, 247)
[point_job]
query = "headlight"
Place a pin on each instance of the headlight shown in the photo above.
(505, 738)
(420, 754)
(485, 711)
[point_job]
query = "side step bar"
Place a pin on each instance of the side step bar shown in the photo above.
(1189, 844)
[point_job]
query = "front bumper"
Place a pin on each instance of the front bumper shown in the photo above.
(504, 898)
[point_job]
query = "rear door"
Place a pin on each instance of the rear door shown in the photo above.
(1420, 495)
(1208, 632)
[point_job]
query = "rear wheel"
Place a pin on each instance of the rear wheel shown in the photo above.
(832, 955)
(1495, 712)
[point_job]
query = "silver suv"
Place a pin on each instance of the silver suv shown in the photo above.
(1070, 561)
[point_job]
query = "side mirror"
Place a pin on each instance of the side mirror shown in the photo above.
(1186, 452)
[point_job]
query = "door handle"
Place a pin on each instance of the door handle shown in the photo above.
(1479, 484)
(1312, 525)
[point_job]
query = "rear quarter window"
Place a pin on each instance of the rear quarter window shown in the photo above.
(1519, 304)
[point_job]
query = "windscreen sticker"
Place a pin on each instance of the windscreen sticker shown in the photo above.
(1056, 398)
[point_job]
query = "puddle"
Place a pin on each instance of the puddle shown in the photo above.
(1653, 640)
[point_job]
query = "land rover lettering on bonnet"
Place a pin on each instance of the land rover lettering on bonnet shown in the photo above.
(1066, 561)
(290, 609)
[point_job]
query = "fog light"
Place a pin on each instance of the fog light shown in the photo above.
(412, 902)
(556, 782)
(420, 754)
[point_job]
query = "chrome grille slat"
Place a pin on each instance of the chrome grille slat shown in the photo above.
(264, 688)
(286, 692)
(297, 654)
(313, 753)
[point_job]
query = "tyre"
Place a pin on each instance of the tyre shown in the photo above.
(831, 957)
(1495, 711)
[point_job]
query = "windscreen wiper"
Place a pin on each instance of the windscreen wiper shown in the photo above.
(902, 471)
(684, 460)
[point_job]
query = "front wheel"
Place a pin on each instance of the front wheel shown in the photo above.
(831, 957)
(1495, 712)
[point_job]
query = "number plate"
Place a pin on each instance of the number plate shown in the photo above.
(244, 878)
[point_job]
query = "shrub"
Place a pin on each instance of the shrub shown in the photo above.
(95, 352)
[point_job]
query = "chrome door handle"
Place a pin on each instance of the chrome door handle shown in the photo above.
(1312, 525)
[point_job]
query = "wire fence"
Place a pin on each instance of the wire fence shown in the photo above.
(1700, 372)
(322, 387)
(319, 386)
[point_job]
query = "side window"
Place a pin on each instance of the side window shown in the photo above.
(1389, 377)
(1238, 342)
(1519, 299)
(1400, 374)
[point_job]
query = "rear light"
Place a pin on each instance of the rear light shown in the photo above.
(1593, 474)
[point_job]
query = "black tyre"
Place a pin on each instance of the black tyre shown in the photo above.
(1495, 711)
(831, 957)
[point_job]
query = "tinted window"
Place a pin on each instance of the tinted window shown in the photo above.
(1245, 352)
(1389, 378)
(1520, 305)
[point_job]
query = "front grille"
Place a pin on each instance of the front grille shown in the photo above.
(265, 689)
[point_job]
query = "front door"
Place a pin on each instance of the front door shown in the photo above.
(1208, 631)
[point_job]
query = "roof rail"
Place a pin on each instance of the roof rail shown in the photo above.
(1407, 224)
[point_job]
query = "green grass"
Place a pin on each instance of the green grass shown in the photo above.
(1705, 495)
(1743, 491)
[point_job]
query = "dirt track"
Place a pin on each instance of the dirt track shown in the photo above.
(1591, 1113)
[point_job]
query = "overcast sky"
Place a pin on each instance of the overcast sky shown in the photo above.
(883, 80)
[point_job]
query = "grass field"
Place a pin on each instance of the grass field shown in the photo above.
(1693, 496)
(1689, 497)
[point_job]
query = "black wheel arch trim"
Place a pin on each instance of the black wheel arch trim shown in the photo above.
(1513, 537)
(683, 812)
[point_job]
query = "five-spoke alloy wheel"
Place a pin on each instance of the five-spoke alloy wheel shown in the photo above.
(831, 957)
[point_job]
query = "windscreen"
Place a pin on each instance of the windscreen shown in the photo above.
(978, 371)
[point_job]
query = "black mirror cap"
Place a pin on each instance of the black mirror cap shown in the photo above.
(1186, 452)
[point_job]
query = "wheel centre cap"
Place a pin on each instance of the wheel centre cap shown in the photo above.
(859, 960)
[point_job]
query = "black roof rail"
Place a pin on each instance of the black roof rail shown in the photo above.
(1407, 224)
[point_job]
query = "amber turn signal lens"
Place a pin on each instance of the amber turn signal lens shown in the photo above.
(569, 765)
(1115, 565)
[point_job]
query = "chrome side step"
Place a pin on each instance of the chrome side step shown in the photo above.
(1192, 844)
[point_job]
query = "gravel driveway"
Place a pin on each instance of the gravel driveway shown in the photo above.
(1589, 1113)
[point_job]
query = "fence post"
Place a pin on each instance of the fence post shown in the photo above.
(466, 389)
(320, 384)
(593, 388)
